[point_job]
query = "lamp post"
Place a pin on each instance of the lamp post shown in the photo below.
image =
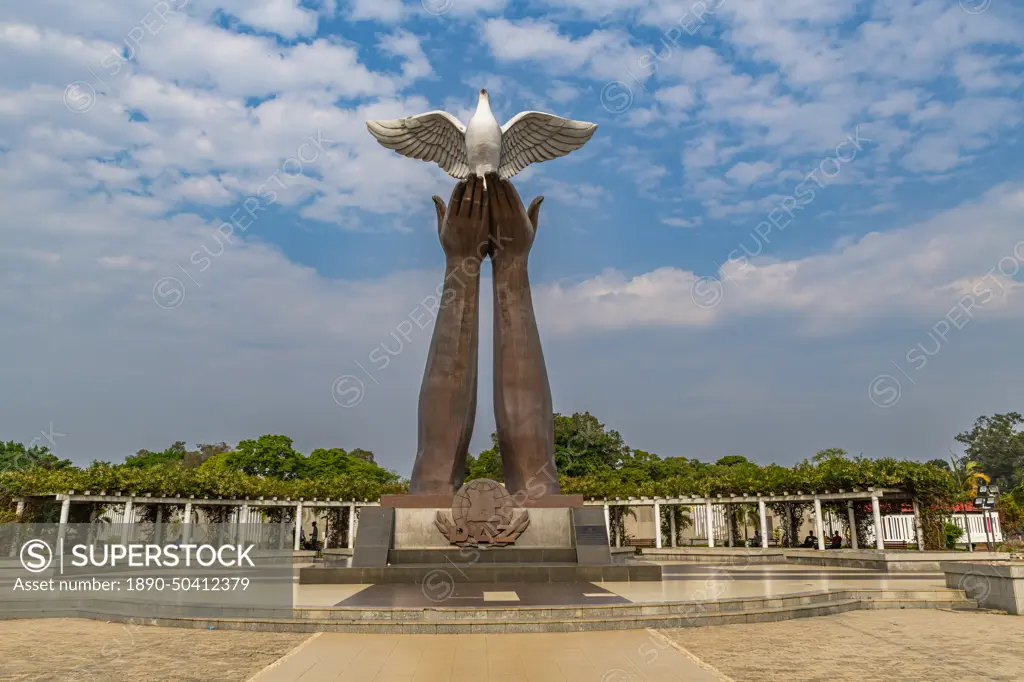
(988, 497)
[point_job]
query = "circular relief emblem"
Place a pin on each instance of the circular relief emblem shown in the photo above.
(482, 507)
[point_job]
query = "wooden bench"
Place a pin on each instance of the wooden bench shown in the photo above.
(640, 542)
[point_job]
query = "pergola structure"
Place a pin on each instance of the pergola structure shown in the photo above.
(127, 502)
(875, 495)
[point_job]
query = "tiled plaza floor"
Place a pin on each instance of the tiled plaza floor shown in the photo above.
(624, 656)
(681, 582)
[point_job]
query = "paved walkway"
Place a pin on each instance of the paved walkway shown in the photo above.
(927, 645)
(624, 656)
(681, 582)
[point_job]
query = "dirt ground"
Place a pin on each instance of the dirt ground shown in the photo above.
(67, 650)
(923, 645)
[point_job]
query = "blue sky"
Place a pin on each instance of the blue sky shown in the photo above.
(692, 292)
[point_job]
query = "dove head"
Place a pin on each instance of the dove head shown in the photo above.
(484, 103)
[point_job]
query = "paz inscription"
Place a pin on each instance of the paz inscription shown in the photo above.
(482, 514)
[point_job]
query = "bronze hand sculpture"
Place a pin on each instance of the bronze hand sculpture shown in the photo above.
(477, 223)
(447, 405)
(522, 394)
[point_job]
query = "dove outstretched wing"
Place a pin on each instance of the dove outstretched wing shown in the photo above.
(434, 136)
(532, 137)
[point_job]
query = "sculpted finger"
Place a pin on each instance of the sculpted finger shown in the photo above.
(478, 200)
(513, 195)
(460, 189)
(534, 211)
(466, 205)
(439, 207)
(496, 191)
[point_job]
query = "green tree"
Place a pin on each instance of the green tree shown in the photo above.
(583, 445)
(16, 457)
(364, 455)
(147, 458)
(269, 456)
(487, 464)
(194, 459)
(177, 453)
(325, 463)
(997, 445)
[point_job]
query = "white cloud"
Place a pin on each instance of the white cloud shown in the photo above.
(745, 173)
(679, 96)
(576, 194)
(683, 222)
(919, 270)
(601, 54)
(284, 17)
(377, 10)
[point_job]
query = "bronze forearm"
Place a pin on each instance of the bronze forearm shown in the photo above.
(522, 394)
(447, 404)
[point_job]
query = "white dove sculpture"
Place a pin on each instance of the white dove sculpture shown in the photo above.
(482, 146)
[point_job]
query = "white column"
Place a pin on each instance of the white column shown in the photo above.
(243, 521)
(710, 523)
(65, 514)
(284, 530)
(351, 526)
(607, 524)
(919, 527)
(819, 530)
(728, 522)
(764, 524)
(672, 525)
(853, 523)
(126, 526)
(876, 512)
(186, 523)
(298, 525)
(20, 511)
(657, 525)
(159, 521)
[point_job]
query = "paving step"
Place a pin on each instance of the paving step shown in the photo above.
(558, 619)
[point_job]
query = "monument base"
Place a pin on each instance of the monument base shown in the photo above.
(480, 573)
(416, 528)
(551, 538)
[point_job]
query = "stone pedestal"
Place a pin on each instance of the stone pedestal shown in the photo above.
(483, 532)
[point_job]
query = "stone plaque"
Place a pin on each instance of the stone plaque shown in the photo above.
(373, 537)
(482, 514)
(591, 535)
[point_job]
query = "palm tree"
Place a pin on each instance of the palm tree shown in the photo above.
(748, 515)
(683, 521)
(968, 474)
(968, 477)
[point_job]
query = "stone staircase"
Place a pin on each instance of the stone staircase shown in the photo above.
(452, 620)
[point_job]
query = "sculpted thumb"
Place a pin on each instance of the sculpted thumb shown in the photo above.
(534, 211)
